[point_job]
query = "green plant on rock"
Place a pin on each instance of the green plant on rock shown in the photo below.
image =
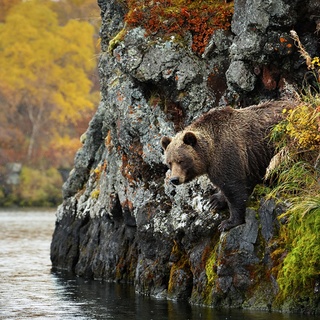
(296, 165)
(296, 168)
(180, 272)
(294, 178)
(297, 257)
(301, 266)
(113, 43)
(211, 276)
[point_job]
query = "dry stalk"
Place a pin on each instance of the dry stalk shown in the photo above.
(302, 50)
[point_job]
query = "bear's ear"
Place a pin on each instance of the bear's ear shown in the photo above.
(190, 139)
(165, 141)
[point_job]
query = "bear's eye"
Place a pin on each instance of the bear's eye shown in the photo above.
(169, 164)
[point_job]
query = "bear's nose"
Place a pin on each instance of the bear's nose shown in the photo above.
(175, 180)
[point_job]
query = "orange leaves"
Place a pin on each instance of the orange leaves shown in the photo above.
(200, 18)
(5, 6)
(61, 150)
(45, 75)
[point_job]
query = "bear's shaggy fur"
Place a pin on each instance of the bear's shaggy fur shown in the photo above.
(232, 146)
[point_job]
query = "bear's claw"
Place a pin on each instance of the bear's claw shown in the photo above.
(217, 201)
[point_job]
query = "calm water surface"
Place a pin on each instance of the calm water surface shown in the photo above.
(29, 290)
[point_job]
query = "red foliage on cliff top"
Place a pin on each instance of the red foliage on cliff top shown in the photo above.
(165, 17)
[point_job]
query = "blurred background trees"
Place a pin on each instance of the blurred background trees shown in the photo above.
(48, 93)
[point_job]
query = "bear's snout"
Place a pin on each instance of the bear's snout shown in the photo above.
(175, 180)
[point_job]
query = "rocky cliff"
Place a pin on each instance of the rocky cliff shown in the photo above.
(120, 220)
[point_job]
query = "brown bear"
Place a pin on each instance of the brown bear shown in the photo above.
(231, 146)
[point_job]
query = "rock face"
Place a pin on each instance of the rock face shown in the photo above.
(120, 220)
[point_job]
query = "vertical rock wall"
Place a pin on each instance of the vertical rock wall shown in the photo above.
(120, 220)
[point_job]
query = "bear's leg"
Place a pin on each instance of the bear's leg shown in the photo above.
(237, 208)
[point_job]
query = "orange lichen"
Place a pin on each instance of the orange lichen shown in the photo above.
(126, 169)
(131, 163)
(120, 97)
(108, 141)
(127, 204)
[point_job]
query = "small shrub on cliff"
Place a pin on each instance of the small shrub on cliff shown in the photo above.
(297, 256)
(166, 17)
(303, 127)
(298, 141)
(297, 259)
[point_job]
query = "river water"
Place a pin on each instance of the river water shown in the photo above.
(30, 290)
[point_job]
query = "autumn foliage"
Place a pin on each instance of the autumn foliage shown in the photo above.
(166, 17)
(48, 84)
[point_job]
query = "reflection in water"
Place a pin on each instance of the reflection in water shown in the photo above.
(101, 300)
(29, 290)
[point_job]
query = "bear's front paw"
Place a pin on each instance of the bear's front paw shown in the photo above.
(226, 225)
(217, 201)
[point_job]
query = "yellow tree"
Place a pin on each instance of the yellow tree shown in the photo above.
(44, 72)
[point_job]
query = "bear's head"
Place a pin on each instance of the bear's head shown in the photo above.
(183, 157)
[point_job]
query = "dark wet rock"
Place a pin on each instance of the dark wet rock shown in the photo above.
(236, 257)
